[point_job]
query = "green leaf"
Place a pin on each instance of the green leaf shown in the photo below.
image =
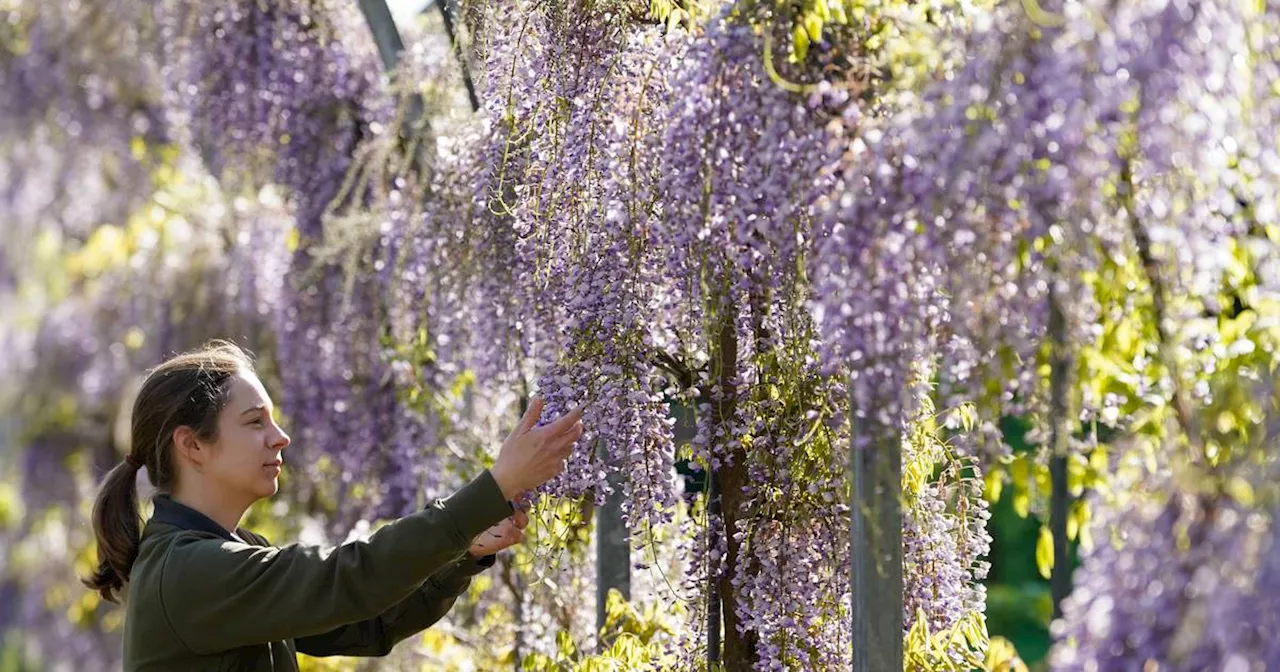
(994, 485)
(10, 506)
(1021, 502)
(800, 42)
(564, 645)
(1044, 552)
(813, 24)
(1077, 518)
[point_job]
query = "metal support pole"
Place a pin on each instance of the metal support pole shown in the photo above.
(448, 14)
(385, 34)
(613, 546)
(875, 547)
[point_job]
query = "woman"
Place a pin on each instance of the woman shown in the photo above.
(205, 594)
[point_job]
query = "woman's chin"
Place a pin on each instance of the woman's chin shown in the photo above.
(271, 481)
(268, 488)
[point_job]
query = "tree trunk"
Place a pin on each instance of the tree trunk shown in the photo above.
(739, 644)
(1060, 423)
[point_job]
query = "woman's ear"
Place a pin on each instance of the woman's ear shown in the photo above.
(186, 447)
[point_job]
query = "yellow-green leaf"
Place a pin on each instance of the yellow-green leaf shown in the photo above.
(994, 485)
(800, 42)
(1021, 502)
(1044, 552)
(813, 24)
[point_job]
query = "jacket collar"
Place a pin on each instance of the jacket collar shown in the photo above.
(170, 512)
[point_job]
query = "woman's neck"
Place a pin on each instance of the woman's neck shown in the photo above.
(216, 506)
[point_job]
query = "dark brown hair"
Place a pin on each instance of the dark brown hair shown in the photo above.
(190, 389)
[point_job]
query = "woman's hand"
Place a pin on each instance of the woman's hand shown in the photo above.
(532, 456)
(503, 535)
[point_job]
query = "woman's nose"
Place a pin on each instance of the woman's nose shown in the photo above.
(282, 441)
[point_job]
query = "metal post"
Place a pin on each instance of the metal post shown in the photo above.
(385, 34)
(613, 547)
(448, 14)
(875, 547)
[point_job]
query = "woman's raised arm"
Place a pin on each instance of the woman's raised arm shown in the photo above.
(219, 595)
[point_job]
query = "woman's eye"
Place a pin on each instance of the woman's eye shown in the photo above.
(257, 422)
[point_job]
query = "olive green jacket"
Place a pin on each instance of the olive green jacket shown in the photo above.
(201, 598)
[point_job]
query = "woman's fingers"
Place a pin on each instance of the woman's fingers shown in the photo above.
(529, 459)
(559, 441)
(521, 519)
(564, 423)
(567, 439)
(572, 435)
(499, 537)
(511, 534)
(498, 533)
(530, 417)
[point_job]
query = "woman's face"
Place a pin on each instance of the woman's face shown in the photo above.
(246, 459)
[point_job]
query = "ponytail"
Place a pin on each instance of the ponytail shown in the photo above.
(117, 526)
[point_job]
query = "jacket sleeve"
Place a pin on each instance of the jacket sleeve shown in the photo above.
(377, 636)
(218, 594)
